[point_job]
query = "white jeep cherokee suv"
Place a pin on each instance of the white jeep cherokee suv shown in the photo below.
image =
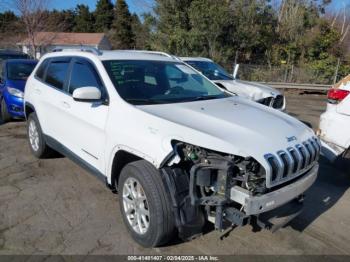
(179, 150)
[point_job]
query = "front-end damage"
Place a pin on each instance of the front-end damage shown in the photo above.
(203, 185)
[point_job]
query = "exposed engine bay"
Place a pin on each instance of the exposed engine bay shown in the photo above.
(202, 180)
(206, 165)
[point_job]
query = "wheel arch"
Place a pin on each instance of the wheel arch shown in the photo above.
(121, 158)
(28, 109)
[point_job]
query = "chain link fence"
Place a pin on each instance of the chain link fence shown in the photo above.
(289, 74)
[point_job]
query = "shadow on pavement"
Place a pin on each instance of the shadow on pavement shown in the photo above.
(329, 187)
(12, 121)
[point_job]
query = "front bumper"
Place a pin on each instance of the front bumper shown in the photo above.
(253, 205)
(15, 106)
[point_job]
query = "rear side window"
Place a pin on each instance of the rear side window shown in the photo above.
(57, 72)
(19, 71)
(41, 70)
(83, 75)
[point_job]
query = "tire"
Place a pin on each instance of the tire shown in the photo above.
(36, 138)
(160, 220)
(5, 115)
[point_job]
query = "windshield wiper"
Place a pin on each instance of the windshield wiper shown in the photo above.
(198, 98)
(144, 101)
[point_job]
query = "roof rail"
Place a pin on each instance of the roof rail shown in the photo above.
(81, 48)
(150, 52)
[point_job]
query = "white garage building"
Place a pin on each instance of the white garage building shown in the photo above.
(47, 41)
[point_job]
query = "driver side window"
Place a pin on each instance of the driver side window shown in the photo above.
(83, 75)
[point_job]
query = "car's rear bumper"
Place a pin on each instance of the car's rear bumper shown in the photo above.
(254, 205)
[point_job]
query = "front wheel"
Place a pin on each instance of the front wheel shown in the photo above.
(145, 204)
(36, 139)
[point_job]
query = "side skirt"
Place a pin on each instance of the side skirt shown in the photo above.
(54, 144)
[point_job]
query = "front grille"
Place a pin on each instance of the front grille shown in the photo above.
(275, 102)
(278, 102)
(288, 164)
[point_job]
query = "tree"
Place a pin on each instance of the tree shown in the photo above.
(33, 15)
(11, 30)
(103, 15)
(83, 19)
(208, 20)
(141, 32)
(252, 28)
(62, 21)
(122, 34)
(8, 21)
(173, 26)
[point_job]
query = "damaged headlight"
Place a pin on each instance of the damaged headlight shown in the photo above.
(211, 166)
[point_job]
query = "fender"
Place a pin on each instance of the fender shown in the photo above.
(129, 150)
(27, 104)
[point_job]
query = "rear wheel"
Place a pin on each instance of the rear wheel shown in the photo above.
(36, 139)
(5, 115)
(145, 205)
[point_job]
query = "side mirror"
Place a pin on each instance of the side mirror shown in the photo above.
(235, 71)
(87, 94)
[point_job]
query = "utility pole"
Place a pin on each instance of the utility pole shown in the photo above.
(336, 72)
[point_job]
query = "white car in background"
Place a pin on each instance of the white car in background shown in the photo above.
(334, 128)
(262, 94)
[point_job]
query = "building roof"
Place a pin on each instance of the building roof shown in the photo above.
(59, 38)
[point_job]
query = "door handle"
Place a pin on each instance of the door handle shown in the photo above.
(37, 91)
(65, 104)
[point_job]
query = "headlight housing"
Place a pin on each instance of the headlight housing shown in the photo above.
(246, 172)
(15, 92)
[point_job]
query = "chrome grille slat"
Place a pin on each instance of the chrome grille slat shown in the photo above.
(310, 152)
(294, 158)
(272, 160)
(285, 163)
(289, 163)
(303, 156)
(293, 167)
(318, 147)
(314, 148)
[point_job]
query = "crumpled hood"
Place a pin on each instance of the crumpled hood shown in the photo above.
(250, 90)
(231, 125)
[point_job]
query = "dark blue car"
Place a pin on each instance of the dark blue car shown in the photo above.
(13, 77)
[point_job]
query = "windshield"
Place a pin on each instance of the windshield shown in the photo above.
(211, 70)
(19, 71)
(156, 82)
